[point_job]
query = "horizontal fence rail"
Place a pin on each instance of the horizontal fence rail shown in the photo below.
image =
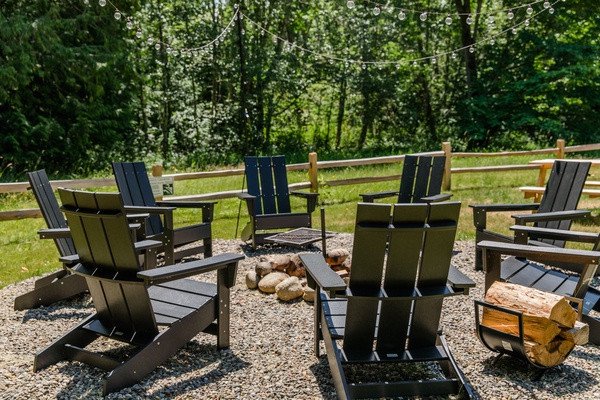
(313, 166)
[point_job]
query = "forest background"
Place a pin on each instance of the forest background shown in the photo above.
(203, 83)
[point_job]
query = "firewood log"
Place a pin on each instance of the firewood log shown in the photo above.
(532, 302)
(550, 354)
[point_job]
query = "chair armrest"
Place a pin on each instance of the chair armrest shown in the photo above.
(319, 273)
(147, 244)
(207, 207)
(492, 252)
(554, 234)
(148, 210)
(370, 197)
(480, 211)
(54, 233)
(521, 219)
(249, 201)
(311, 199)
(436, 198)
(504, 207)
(179, 271)
(458, 281)
(70, 259)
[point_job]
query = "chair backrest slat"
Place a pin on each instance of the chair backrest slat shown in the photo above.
(136, 190)
(44, 195)
(282, 192)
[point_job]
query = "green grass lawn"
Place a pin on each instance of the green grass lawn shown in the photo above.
(24, 255)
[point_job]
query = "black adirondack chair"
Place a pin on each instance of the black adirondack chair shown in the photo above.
(132, 303)
(268, 199)
(134, 185)
(556, 210)
(521, 268)
(421, 181)
(397, 322)
(61, 284)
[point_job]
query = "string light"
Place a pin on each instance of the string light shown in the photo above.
(290, 47)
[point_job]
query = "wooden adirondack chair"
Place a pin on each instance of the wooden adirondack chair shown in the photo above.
(131, 304)
(268, 199)
(134, 185)
(421, 181)
(61, 284)
(556, 210)
(397, 322)
(521, 268)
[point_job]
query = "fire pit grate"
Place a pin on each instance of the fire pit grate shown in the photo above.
(299, 237)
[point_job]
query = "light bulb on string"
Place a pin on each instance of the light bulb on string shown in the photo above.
(102, 3)
(364, 66)
(150, 39)
(350, 4)
(376, 10)
(423, 16)
(510, 14)
(551, 10)
(469, 20)
(401, 15)
(526, 22)
(86, 2)
(529, 9)
(157, 46)
(129, 24)
(471, 49)
(546, 4)
(491, 19)
(117, 14)
(414, 64)
(453, 55)
(138, 34)
(448, 20)
(433, 60)
(514, 31)
(492, 41)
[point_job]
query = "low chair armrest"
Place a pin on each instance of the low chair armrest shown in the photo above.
(480, 211)
(370, 197)
(69, 260)
(179, 271)
(148, 210)
(458, 281)
(146, 244)
(54, 233)
(492, 252)
(521, 219)
(436, 198)
(524, 232)
(207, 207)
(319, 273)
(311, 199)
(249, 201)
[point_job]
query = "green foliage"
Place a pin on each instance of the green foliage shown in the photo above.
(79, 90)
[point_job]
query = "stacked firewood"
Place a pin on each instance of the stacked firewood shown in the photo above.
(550, 325)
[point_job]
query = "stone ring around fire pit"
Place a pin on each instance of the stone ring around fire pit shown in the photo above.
(285, 275)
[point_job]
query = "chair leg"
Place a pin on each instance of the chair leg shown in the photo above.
(60, 289)
(48, 279)
(335, 364)
(158, 351)
(78, 336)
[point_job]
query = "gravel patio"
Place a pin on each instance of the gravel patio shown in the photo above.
(271, 354)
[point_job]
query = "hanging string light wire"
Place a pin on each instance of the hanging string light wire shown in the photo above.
(423, 14)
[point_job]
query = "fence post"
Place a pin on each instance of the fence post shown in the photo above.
(157, 170)
(313, 172)
(560, 144)
(447, 149)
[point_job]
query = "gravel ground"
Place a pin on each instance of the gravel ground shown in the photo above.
(271, 353)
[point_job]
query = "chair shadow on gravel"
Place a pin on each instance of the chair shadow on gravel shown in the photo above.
(203, 361)
(557, 380)
(75, 308)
